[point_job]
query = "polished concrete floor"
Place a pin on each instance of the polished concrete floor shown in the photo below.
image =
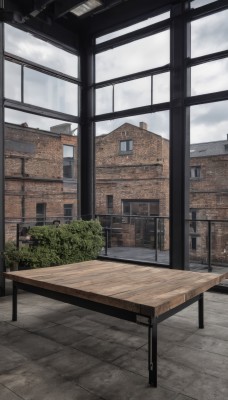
(60, 352)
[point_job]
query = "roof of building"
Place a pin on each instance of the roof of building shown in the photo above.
(209, 149)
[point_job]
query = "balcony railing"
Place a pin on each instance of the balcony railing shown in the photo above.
(146, 239)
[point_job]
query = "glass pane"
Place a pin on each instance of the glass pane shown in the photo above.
(132, 94)
(27, 46)
(104, 100)
(49, 92)
(12, 81)
(132, 166)
(68, 151)
(132, 28)
(209, 186)
(200, 3)
(140, 55)
(38, 122)
(156, 122)
(34, 170)
(209, 34)
(214, 72)
(209, 122)
(161, 88)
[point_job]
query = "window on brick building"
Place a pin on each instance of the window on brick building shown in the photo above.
(140, 207)
(195, 172)
(40, 213)
(109, 200)
(68, 161)
(68, 212)
(193, 215)
(126, 146)
(193, 243)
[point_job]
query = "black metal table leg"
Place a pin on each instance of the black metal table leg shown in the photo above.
(201, 311)
(152, 353)
(14, 314)
(106, 241)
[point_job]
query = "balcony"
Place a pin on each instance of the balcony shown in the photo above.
(146, 240)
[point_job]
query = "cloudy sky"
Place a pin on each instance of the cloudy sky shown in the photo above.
(208, 122)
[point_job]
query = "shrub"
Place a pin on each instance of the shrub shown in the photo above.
(65, 244)
(11, 255)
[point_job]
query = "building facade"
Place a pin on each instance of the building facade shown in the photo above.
(132, 185)
(40, 176)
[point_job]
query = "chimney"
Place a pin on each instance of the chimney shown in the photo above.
(143, 125)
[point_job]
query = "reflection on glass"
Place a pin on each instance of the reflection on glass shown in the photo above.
(209, 34)
(40, 122)
(132, 94)
(46, 91)
(140, 55)
(161, 88)
(25, 45)
(200, 3)
(157, 122)
(132, 28)
(209, 77)
(12, 81)
(104, 100)
(209, 122)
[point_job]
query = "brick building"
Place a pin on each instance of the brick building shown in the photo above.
(40, 175)
(132, 178)
(209, 199)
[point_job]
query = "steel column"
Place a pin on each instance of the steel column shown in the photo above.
(87, 140)
(179, 139)
(2, 161)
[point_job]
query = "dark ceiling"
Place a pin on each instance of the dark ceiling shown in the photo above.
(55, 17)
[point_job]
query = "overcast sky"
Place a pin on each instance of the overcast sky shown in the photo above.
(208, 122)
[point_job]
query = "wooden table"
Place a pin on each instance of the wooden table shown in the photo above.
(145, 295)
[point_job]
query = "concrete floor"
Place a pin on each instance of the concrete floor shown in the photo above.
(60, 352)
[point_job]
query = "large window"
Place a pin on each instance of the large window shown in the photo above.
(41, 115)
(208, 133)
(26, 45)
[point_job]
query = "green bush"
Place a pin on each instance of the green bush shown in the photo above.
(65, 244)
(11, 255)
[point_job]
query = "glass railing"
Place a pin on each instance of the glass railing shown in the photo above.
(138, 238)
(146, 239)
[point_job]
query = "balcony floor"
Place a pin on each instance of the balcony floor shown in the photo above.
(60, 352)
(144, 254)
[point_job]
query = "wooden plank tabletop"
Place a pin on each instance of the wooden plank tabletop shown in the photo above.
(148, 291)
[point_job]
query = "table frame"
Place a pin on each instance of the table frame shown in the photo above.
(150, 322)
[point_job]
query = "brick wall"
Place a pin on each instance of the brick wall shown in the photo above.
(34, 174)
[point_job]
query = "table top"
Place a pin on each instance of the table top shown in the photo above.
(148, 291)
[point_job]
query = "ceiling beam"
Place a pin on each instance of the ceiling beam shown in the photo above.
(117, 17)
(39, 6)
(61, 8)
